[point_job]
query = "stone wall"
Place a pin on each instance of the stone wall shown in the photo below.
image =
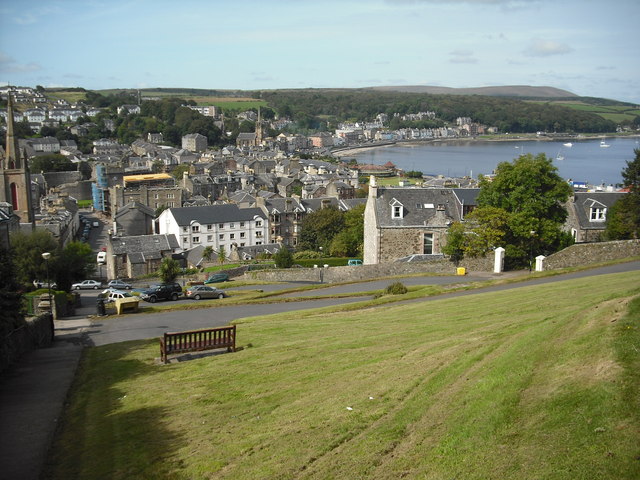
(367, 272)
(587, 253)
(55, 179)
(37, 332)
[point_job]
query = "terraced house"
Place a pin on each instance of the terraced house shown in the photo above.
(217, 226)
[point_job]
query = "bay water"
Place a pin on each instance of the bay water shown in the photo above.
(584, 161)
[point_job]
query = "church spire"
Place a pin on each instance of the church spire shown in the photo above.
(12, 150)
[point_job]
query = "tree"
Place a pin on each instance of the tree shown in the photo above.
(222, 255)
(27, 250)
(207, 253)
(10, 298)
(623, 218)
(74, 263)
(178, 172)
(319, 228)
(51, 163)
(531, 195)
(283, 258)
(349, 242)
(169, 270)
(455, 245)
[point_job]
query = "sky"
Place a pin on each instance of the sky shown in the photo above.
(588, 47)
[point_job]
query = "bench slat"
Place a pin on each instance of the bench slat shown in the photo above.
(197, 340)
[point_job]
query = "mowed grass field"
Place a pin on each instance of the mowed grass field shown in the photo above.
(541, 382)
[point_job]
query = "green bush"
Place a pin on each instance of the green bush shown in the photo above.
(307, 254)
(396, 288)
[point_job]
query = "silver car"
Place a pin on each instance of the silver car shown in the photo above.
(119, 285)
(203, 291)
(87, 284)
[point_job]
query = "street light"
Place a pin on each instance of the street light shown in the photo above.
(47, 256)
(532, 234)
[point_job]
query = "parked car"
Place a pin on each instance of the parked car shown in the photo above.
(96, 224)
(217, 277)
(41, 284)
(202, 291)
(119, 284)
(164, 291)
(86, 284)
(101, 258)
(111, 294)
(353, 262)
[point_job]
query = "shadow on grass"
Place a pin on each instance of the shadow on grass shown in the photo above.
(105, 431)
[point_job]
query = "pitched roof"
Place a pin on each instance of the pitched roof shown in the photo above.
(143, 246)
(214, 214)
(420, 205)
(584, 201)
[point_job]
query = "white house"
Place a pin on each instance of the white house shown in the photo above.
(216, 226)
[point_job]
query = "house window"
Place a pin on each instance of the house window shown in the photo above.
(185, 229)
(428, 244)
(209, 238)
(396, 211)
(195, 228)
(221, 225)
(258, 243)
(598, 214)
(241, 224)
(221, 236)
(196, 239)
(185, 239)
(231, 225)
(241, 234)
(258, 234)
(232, 236)
(258, 223)
(209, 227)
(242, 244)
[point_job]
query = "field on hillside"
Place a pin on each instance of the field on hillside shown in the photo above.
(540, 382)
(615, 113)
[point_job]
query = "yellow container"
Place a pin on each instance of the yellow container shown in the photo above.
(461, 271)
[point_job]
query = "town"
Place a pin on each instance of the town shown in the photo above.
(244, 200)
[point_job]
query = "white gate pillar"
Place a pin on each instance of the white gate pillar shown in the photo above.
(540, 263)
(498, 262)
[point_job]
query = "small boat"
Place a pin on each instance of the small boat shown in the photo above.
(559, 156)
(568, 144)
(604, 144)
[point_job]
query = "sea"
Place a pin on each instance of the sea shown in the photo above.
(585, 161)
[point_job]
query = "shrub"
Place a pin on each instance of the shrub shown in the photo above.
(396, 288)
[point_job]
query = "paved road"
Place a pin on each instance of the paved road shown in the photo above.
(137, 327)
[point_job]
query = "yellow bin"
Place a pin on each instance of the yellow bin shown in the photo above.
(462, 271)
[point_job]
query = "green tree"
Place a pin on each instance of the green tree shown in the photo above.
(74, 263)
(349, 242)
(178, 172)
(283, 258)
(532, 196)
(623, 218)
(51, 163)
(169, 270)
(455, 245)
(222, 255)
(27, 250)
(207, 253)
(319, 228)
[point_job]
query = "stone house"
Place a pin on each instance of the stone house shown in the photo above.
(133, 219)
(587, 214)
(135, 256)
(194, 142)
(400, 222)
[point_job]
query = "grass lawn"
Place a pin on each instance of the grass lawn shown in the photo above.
(542, 382)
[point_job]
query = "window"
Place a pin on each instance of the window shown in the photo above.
(170, 195)
(258, 243)
(221, 225)
(428, 244)
(231, 225)
(221, 236)
(232, 236)
(397, 211)
(258, 234)
(209, 227)
(258, 223)
(209, 238)
(196, 239)
(242, 244)
(195, 228)
(185, 229)
(241, 224)
(185, 239)
(598, 214)
(241, 234)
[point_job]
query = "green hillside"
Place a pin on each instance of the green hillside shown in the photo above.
(488, 386)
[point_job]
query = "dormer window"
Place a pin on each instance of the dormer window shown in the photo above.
(598, 214)
(397, 209)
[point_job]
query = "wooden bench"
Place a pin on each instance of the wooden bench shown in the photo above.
(198, 340)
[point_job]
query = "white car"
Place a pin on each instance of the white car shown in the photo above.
(102, 258)
(87, 284)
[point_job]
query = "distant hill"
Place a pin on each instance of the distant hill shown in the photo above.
(527, 91)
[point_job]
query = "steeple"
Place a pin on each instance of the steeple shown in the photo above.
(259, 129)
(12, 153)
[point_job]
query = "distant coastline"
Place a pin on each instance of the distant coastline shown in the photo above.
(351, 150)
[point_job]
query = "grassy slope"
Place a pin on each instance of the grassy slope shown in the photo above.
(520, 384)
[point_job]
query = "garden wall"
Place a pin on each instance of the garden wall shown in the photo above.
(37, 332)
(582, 254)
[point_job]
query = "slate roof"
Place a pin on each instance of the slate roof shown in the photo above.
(135, 206)
(584, 201)
(467, 196)
(214, 214)
(420, 205)
(141, 248)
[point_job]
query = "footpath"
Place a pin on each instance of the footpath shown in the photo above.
(33, 393)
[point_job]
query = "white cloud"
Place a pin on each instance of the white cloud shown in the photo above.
(9, 65)
(546, 48)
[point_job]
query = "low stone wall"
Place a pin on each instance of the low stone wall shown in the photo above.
(37, 332)
(367, 272)
(587, 253)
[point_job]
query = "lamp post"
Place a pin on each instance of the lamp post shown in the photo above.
(47, 256)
